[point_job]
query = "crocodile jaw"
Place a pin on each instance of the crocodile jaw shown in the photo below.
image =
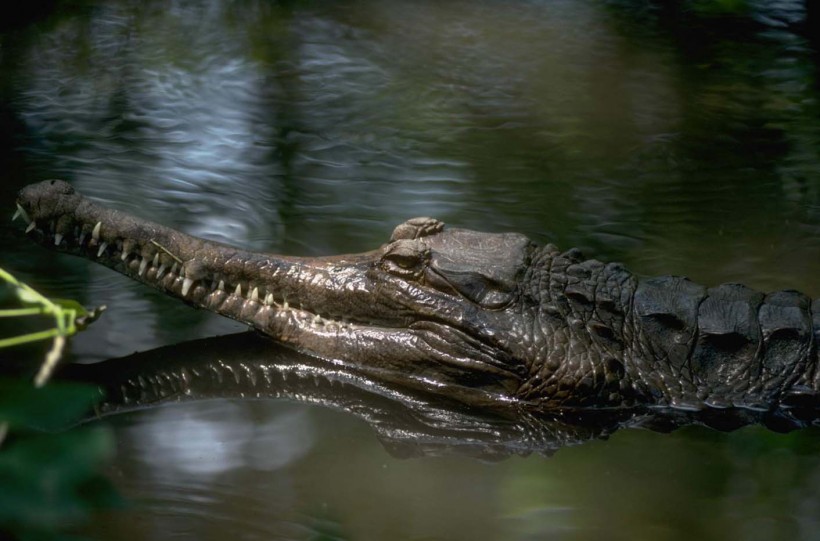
(341, 308)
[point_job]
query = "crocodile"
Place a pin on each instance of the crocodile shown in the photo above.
(482, 318)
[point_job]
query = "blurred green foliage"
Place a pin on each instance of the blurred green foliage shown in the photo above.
(49, 480)
(68, 317)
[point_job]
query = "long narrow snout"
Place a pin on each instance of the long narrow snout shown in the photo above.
(365, 309)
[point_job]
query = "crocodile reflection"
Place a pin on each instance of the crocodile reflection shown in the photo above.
(407, 422)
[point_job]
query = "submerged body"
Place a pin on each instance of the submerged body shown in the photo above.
(483, 318)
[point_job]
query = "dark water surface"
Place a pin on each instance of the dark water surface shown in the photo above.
(680, 143)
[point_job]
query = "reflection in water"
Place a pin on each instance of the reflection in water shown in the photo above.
(251, 122)
(125, 123)
(181, 454)
(646, 132)
(249, 366)
(207, 443)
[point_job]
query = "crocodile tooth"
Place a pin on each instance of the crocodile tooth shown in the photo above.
(82, 238)
(124, 255)
(161, 271)
(95, 234)
(156, 259)
(186, 286)
(30, 227)
(174, 268)
(58, 238)
(103, 246)
(255, 294)
(285, 305)
(221, 285)
(238, 290)
(143, 265)
(269, 299)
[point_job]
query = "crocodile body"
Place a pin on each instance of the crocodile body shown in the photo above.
(480, 317)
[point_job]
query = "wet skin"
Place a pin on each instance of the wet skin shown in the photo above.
(483, 318)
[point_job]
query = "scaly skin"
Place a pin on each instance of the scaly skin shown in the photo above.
(483, 318)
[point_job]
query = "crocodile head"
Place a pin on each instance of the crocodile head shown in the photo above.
(441, 309)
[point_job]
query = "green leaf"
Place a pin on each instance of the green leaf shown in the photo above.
(53, 407)
(70, 304)
(49, 480)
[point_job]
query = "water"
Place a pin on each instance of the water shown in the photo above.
(675, 143)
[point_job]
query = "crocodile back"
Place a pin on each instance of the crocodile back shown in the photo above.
(725, 346)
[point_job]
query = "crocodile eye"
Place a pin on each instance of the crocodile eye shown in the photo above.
(405, 258)
(403, 261)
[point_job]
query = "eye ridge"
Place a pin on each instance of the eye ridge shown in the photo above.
(406, 262)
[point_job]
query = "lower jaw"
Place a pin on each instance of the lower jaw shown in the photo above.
(250, 303)
(403, 356)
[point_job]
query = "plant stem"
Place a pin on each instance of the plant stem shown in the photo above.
(52, 358)
(15, 312)
(26, 338)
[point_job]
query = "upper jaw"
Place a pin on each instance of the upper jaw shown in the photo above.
(159, 256)
(244, 285)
